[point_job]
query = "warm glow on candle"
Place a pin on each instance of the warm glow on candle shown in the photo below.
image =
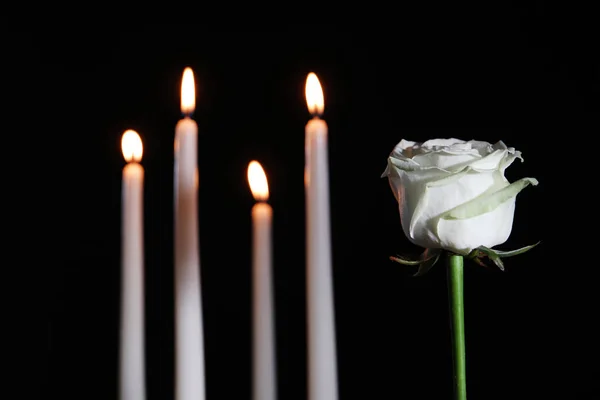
(188, 92)
(131, 146)
(258, 181)
(314, 95)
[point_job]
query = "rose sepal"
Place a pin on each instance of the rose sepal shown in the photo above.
(425, 261)
(496, 255)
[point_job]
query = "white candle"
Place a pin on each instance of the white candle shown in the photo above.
(189, 338)
(322, 363)
(132, 382)
(263, 349)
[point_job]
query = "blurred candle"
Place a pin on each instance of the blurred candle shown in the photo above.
(322, 364)
(263, 351)
(189, 338)
(132, 382)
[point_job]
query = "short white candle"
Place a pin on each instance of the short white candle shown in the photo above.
(189, 335)
(132, 373)
(322, 362)
(263, 350)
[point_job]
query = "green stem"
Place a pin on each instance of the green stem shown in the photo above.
(457, 324)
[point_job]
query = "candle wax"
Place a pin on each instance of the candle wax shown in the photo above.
(189, 338)
(264, 380)
(132, 375)
(322, 373)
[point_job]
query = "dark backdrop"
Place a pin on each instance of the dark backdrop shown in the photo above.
(523, 75)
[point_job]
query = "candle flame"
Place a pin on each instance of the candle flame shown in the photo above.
(258, 181)
(131, 146)
(314, 95)
(188, 92)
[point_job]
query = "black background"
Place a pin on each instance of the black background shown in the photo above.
(522, 74)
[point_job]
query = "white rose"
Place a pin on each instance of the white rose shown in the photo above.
(453, 194)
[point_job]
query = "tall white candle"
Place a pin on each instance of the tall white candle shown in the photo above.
(131, 353)
(322, 363)
(263, 350)
(189, 335)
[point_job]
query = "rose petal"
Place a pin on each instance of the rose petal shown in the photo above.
(446, 159)
(488, 201)
(401, 177)
(404, 149)
(499, 145)
(484, 148)
(489, 229)
(484, 221)
(438, 196)
(405, 144)
(442, 142)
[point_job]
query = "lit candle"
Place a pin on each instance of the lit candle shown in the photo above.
(264, 377)
(322, 364)
(189, 338)
(132, 382)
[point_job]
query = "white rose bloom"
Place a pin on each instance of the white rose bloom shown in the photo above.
(453, 194)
